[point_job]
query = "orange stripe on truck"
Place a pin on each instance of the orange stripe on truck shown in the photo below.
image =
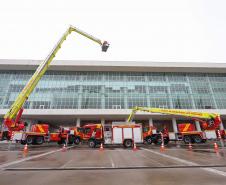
(40, 128)
(186, 127)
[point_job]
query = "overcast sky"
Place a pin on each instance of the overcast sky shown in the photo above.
(144, 30)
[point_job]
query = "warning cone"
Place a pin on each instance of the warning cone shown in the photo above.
(25, 149)
(216, 147)
(64, 148)
(189, 146)
(162, 148)
(134, 147)
(101, 147)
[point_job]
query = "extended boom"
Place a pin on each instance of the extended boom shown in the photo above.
(12, 117)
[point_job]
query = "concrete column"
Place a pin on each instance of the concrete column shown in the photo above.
(221, 126)
(174, 125)
(78, 122)
(102, 121)
(197, 124)
(150, 122)
(29, 124)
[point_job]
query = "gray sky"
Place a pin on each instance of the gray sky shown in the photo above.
(145, 30)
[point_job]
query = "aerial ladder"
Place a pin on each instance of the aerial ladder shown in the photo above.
(12, 119)
(208, 121)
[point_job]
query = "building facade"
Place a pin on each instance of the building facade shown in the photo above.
(77, 92)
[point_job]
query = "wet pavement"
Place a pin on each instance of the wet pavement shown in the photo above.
(176, 164)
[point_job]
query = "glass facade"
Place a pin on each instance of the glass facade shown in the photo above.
(116, 90)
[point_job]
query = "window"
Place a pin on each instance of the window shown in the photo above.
(182, 102)
(156, 77)
(179, 88)
(116, 106)
(87, 130)
(115, 90)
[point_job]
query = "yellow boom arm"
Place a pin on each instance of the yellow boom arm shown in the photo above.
(179, 112)
(23, 96)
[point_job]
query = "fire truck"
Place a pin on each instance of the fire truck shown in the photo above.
(72, 135)
(152, 135)
(186, 131)
(119, 133)
(39, 134)
(12, 119)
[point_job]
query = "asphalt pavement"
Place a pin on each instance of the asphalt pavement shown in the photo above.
(175, 164)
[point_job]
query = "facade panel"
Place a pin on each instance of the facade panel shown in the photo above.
(116, 90)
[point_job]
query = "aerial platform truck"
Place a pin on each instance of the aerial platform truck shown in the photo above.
(12, 120)
(186, 131)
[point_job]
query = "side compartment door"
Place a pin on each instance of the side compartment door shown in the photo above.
(117, 135)
(128, 133)
(137, 134)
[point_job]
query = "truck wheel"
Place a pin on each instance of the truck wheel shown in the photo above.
(128, 143)
(149, 140)
(62, 141)
(187, 139)
(29, 140)
(204, 140)
(92, 143)
(71, 139)
(158, 141)
(77, 140)
(23, 142)
(39, 140)
(166, 140)
(197, 139)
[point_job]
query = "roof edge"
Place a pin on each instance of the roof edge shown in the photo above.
(119, 66)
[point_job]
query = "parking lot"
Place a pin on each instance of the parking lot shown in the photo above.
(49, 164)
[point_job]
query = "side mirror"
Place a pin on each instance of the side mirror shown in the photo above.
(105, 46)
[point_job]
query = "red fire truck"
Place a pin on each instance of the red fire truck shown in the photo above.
(119, 133)
(67, 135)
(187, 131)
(151, 135)
(12, 119)
(39, 133)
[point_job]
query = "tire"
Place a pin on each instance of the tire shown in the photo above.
(197, 139)
(204, 140)
(128, 143)
(92, 143)
(71, 139)
(39, 140)
(157, 139)
(187, 139)
(149, 140)
(23, 142)
(166, 140)
(77, 141)
(29, 140)
(61, 142)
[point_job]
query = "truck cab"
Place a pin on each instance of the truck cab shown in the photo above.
(151, 135)
(68, 135)
(93, 134)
